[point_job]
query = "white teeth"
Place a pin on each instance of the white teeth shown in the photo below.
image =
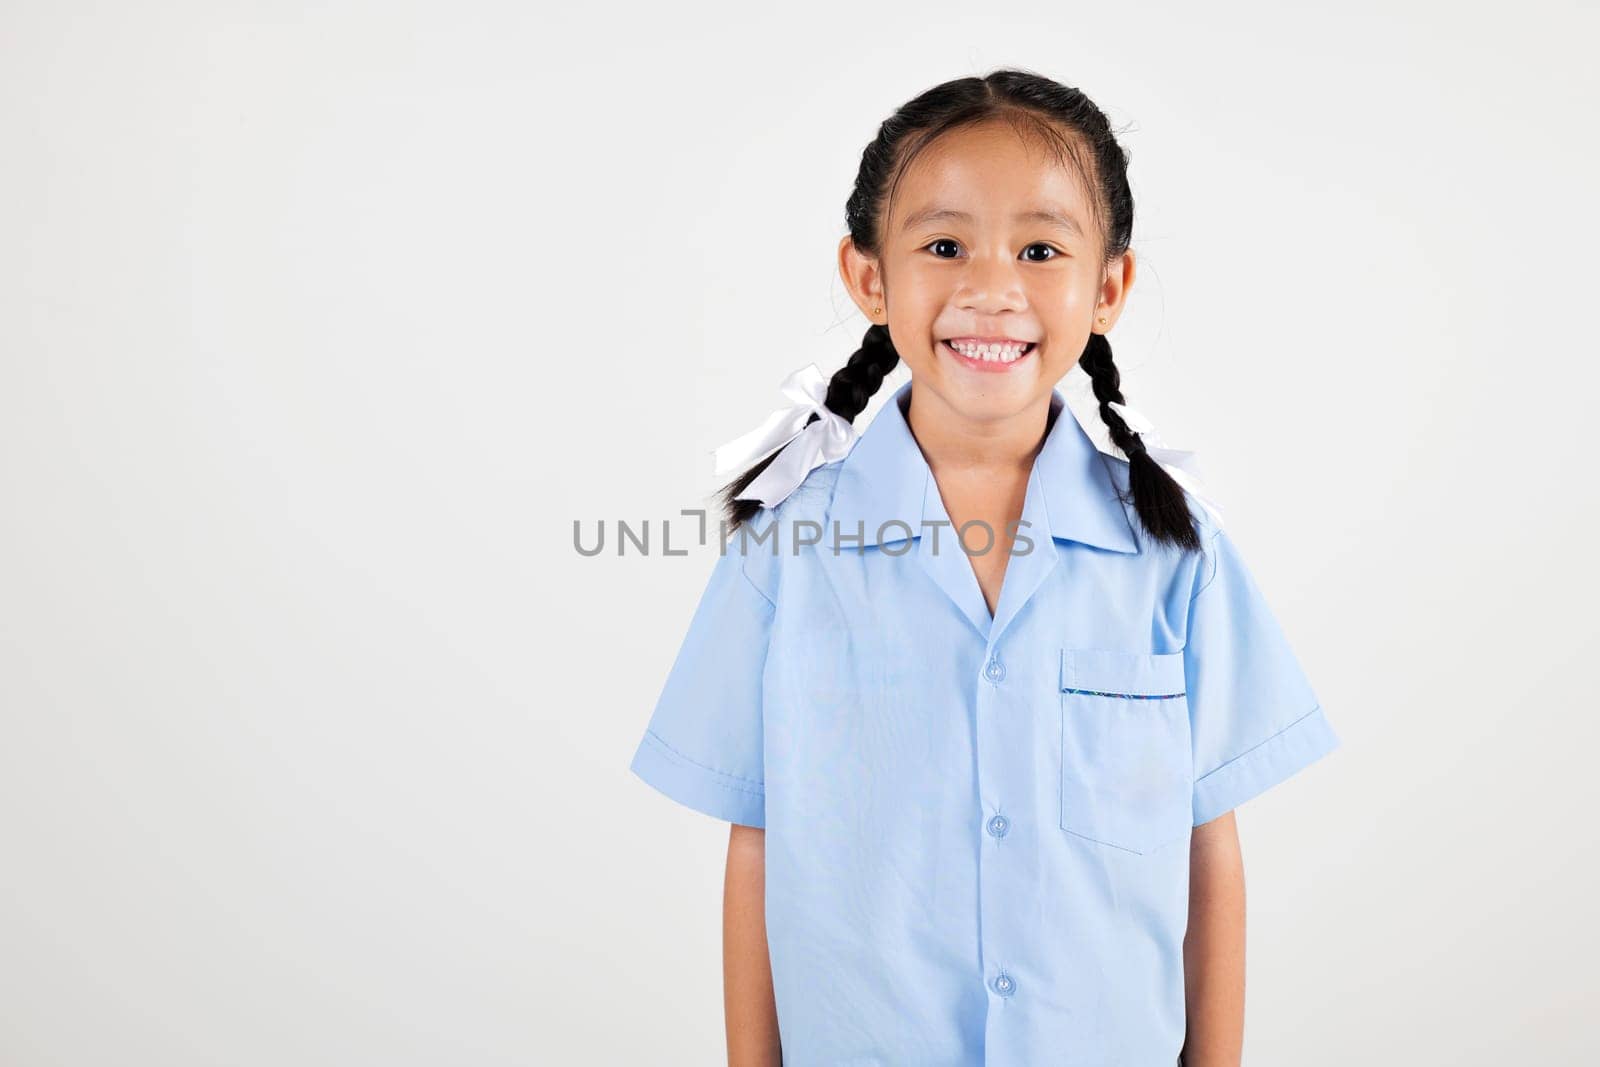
(995, 353)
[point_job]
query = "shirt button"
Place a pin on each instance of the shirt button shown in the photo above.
(998, 825)
(1004, 985)
(994, 670)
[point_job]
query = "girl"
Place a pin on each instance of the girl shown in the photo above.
(977, 698)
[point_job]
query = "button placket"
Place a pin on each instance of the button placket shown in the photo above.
(997, 726)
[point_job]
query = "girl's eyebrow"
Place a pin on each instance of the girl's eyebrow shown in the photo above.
(1050, 216)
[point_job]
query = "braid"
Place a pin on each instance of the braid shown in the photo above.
(853, 384)
(1157, 497)
(848, 392)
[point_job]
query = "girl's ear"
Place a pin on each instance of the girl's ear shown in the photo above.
(862, 275)
(1113, 294)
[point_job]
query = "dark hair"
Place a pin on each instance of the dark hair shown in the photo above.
(1069, 122)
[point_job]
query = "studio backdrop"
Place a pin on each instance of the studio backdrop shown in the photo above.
(329, 333)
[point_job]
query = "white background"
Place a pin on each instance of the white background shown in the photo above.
(320, 325)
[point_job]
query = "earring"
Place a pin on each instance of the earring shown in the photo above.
(1101, 320)
(877, 311)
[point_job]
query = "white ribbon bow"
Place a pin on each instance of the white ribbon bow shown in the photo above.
(1180, 463)
(804, 448)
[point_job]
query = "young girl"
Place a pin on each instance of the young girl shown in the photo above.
(978, 698)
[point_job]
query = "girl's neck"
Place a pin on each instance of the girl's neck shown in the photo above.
(955, 443)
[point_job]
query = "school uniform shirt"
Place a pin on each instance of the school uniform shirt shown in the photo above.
(977, 828)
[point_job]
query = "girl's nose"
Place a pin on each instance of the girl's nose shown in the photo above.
(990, 283)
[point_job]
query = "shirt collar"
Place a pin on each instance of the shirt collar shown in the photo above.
(885, 488)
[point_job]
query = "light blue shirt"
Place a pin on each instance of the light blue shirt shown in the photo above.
(977, 828)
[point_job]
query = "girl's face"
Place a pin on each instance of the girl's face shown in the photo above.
(988, 242)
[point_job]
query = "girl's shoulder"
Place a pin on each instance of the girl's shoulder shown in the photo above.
(775, 534)
(810, 499)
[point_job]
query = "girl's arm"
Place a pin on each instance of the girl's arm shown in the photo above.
(752, 1013)
(1213, 947)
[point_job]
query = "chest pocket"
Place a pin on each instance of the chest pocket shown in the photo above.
(1127, 771)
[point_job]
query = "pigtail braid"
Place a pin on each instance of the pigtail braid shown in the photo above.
(849, 390)
(1157, 497)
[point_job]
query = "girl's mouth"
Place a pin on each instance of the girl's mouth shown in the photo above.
(992, 356)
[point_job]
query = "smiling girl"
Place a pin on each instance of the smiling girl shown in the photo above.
(981, 741)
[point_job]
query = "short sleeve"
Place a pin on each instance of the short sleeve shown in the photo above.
(703, 744)
(1254, 718)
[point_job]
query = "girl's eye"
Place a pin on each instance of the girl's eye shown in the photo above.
(935, 244)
